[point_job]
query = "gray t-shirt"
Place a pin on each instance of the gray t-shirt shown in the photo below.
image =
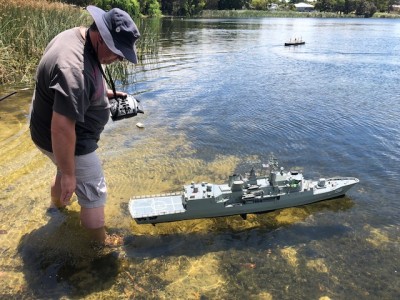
(69, 82)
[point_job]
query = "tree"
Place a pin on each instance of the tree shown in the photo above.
(325, 5)
(348, 6)
(132, 7)
(150, 8)
(211, 4)
(339, 6)
(259, 4)
(231, 4)
(182, 7)
(365, 8)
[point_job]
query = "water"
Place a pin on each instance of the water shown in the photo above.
(220, 96)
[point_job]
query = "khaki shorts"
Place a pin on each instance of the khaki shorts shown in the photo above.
(91, 188)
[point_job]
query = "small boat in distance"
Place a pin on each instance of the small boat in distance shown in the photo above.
(295, 42)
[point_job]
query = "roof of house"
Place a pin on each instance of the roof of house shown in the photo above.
(303, 5)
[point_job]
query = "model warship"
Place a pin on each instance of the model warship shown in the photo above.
(241, 195)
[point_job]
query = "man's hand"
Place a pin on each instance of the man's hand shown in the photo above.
(110, 94)
(68, 185)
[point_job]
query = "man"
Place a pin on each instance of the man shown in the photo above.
(70, 108)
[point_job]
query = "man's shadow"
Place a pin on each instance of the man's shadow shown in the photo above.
(59, 261)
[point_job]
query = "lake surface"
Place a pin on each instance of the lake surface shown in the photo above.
(219, 96)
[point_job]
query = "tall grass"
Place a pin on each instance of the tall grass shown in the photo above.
(26, 27)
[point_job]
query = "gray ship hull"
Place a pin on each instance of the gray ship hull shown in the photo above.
(240, 197)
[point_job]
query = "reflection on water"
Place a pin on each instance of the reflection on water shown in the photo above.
(212, 109)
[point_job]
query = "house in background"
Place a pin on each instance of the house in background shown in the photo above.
(273, 6)
(304, 7)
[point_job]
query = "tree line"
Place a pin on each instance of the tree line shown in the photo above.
(360, 7)
(155, 8)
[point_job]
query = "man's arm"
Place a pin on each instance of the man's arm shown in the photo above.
(63, 142)
(110, 94)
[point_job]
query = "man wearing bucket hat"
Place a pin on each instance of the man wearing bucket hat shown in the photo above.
(70, 107)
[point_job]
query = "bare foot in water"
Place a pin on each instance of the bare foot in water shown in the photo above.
(114, 240)
(111, 241)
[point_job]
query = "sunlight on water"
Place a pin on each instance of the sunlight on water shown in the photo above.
(218, 99)
(156, 163)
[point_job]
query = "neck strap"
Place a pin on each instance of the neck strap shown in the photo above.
(108, 78)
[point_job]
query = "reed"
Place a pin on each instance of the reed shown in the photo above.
(26, 27)
(124, 73)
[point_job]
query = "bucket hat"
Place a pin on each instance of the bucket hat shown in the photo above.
(118, 31)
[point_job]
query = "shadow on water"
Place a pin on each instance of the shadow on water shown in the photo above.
(277, 229)
(58, 261)
(201, 243)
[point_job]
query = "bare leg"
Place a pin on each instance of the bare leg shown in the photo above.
(98, 235)
(93, 220)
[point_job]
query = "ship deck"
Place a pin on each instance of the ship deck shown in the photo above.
(156, 206)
